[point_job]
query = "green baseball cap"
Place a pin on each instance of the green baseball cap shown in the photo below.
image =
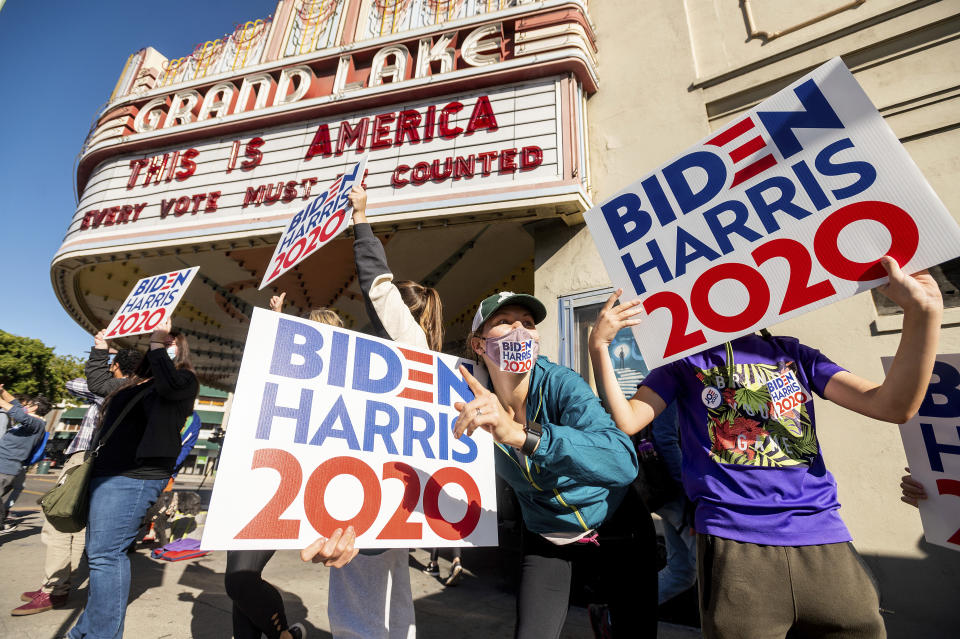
(497, 301)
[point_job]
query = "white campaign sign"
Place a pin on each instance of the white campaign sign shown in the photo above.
(931, 440)
(152, 300)
(787, 209)
(324, 218)
(331, 428)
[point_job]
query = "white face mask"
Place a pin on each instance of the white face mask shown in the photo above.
(514, 352)
(172, 352)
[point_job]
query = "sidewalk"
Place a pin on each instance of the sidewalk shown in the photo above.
(186, 599)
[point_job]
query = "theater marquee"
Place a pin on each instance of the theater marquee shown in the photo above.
(426, 158)
(473, 119)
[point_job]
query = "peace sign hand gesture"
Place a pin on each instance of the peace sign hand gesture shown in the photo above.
(486, 412)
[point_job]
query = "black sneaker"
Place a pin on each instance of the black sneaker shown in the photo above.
(432, 569)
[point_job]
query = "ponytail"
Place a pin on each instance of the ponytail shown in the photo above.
(427, 309)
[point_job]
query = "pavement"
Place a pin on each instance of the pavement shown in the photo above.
(186, 599)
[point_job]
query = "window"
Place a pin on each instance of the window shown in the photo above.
(578, 313)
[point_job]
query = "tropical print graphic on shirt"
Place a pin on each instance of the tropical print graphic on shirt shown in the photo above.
(741, 418)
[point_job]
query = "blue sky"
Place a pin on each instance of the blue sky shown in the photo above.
(59, 62)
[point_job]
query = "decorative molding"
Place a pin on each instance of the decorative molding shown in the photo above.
(754, 33)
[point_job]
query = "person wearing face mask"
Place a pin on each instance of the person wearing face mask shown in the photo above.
(139, 440)
(571, 469)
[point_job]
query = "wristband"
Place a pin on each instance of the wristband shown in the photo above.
(534, 431)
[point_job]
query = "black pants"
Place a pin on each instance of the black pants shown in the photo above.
(435, 554)
(625, 563)
(257, 606)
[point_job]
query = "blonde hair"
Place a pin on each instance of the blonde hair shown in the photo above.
(427, 309)
(324, 315)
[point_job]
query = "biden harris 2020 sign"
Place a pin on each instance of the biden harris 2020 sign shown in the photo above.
(785, 210)
(331, 428)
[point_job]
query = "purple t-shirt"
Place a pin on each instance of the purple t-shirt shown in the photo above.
(751, 460)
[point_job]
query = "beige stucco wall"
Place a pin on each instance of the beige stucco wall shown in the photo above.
(674, 71)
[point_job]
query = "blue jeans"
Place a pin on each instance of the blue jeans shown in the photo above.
(117, 506)
(680, 573)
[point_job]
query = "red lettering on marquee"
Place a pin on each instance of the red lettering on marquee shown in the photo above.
(188, 166)
(381, 131)
(460, 167)
(212, 198)
(482, 116)
(253, 196)
(135, 167)
(254, 154)
(352, 135)
(444, 124)
(407, 125)
(508, 161)
(321, 142)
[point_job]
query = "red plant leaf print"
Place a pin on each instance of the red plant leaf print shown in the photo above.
(740, 435)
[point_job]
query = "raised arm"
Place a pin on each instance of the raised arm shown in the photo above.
(23, 422)
(100, 380)
(389, 315)
(633, 415)
(899, 397)
(170, 382)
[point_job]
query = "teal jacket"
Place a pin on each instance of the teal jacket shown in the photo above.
(584, 464)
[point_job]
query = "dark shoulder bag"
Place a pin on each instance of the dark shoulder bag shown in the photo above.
(654, 484)
(67, 504)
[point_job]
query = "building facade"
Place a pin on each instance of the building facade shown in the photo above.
(492, 125)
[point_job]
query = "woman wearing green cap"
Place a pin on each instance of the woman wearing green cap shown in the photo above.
(571, 469)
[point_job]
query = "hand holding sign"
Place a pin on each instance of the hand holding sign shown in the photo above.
(913, 491)
(161, 335)
(358, 199)
(911, 292)
(486, 412)
(333, 552)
